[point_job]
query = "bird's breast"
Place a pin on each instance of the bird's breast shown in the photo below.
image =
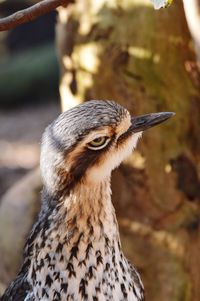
(96, 270)
(77, 255)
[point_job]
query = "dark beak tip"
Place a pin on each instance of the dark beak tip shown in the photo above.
(144, 122)
(165, 115)
(170, 114)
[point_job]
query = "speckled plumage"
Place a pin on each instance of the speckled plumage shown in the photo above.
(73, 252)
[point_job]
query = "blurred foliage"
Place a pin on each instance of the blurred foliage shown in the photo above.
(29, 75)
(161, 3)
(28, 64)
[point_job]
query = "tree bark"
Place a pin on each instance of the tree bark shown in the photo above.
(126, 51)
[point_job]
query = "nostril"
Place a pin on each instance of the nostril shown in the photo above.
(140, 122)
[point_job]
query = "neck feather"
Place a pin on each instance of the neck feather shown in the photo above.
(88, 209)
(92, 207)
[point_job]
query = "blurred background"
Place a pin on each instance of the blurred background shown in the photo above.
(146, 60)
(29, 96)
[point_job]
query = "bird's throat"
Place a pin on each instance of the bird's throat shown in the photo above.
(82, 224)
(89, 210)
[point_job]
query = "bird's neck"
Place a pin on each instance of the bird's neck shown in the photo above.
(88, 210)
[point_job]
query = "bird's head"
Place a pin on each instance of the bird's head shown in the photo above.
(85, 143)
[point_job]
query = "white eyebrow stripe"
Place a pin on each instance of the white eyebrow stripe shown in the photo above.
(123, 126)
(106, 131)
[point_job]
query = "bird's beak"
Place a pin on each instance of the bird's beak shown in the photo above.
(144, 122)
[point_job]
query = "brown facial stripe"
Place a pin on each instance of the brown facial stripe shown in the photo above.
(80, 164)
(87, 158)
(124, 137)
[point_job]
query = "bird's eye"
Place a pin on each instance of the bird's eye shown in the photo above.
(98, 143)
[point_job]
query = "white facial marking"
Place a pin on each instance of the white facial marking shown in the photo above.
(113, 159)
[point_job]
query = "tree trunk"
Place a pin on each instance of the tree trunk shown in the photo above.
(126, 51)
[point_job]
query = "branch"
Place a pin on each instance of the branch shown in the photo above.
(31, 13)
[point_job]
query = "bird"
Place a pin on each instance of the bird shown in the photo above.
(73, 252)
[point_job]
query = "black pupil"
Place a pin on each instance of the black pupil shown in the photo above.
(98, 139)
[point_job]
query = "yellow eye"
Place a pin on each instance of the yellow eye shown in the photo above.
(98, 143)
